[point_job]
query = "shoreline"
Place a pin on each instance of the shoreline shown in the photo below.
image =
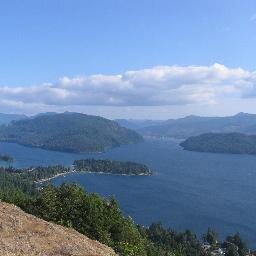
(84, 172)
(53, 177)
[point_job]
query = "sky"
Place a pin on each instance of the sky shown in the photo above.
(139, 59)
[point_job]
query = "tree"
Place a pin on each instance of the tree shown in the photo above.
(211, 237)
(239, 243)
(232, 250)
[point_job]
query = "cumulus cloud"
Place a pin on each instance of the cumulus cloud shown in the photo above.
(157, 86)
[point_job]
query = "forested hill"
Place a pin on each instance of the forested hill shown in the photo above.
(234, 143)
(71, 132)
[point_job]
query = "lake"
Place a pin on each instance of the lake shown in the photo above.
(189, 190)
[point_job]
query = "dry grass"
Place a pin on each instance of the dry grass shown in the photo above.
(22, 234)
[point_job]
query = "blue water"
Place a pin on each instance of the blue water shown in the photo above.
(189, 190)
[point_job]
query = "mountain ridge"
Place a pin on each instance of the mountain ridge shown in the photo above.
(195, 125)
(70, 132)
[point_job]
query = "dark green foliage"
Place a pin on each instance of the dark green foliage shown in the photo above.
(110, 166)
(211, 237)
(239, 243)
(72, 132)
(18, 185)
(231, 250)
(14, 188)
(235, 246)
(234, 143)
(167, 241)
(90, 214)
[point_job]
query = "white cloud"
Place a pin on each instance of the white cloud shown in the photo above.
(157, 86)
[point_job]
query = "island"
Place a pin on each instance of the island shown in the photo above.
(232, 143)
(42, 174)
(69, 132)
(111, 167)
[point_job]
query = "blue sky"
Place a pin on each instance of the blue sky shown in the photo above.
(44, 41)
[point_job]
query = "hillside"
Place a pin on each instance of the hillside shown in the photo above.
(195, 125)
(71, 132)
(234, 143)
(7, 118)
(23, 234)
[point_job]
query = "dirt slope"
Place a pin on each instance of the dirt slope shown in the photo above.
(22, 234)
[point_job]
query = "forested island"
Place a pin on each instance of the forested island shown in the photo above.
(31, 176)
(232, 143)
(101, 218)
(70, 132)
(111, 167)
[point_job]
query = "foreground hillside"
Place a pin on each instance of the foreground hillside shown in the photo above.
(24, 234)
(196, 125)
(98, 218)
(234, 143)
(72, 132)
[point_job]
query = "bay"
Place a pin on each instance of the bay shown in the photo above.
(189, 190)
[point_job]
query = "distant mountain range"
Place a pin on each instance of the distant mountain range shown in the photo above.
(196, 125)
(136, 124)
(72, 132)
(7, 118)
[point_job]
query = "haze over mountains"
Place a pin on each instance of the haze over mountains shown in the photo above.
(194, 125)
(7, 118)
(138, 124)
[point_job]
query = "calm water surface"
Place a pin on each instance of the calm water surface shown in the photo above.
(189, 190)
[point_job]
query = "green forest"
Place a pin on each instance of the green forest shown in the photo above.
(233, 143)
(110, 166)
(78, 133)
